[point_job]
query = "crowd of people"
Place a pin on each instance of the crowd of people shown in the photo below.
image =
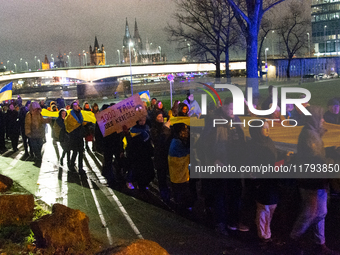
(155, 148)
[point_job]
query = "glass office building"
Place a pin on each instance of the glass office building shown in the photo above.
(326, 27)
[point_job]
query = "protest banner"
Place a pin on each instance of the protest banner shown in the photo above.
(126, 112)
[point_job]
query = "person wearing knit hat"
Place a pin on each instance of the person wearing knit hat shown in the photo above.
(35, 130)
(332, 115)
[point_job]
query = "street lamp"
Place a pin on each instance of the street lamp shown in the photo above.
(308, 44)
(189, 48)
(273, 43)
(15, 67)
(324, 35)
(130, 44)
(265, 62)
(35, 62)
(84, 58)
(118, 56)
(69, 60)
(39, 64)
(21, 64)
(26, 66)
(105, 57)
(160, 53)
(7, 63)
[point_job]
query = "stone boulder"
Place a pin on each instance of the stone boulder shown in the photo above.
(140, 247)
(16, 209)
(64, 228)
(5, 183)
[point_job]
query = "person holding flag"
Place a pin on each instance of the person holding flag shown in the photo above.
(6, 92)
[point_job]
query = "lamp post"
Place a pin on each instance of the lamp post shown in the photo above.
(266, 65)
(118, 52)
(308, 44)
(35, 62)
(130, 44)
(84, 58)
(69, 59)
(273, 43)
(15, 67)
(105, 57)
(7, 64)
(26, 66)
(324, 35)
(160, 53)
(189, 48)
(21, 64)
(39, 64)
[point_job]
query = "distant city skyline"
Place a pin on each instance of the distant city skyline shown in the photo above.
(38, 28)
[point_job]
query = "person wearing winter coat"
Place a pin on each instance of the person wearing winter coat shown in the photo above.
(2, 131)
(74, 123)
(22, 116)
(139, 152)
(13, 126)
(35, 130)
(261, 151)
(60, 135)
(313, 191)
(161, 138)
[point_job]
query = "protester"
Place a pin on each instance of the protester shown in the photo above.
(74, 126)
(261, 151)
(60, 135)
(183, 109)
(22, 116)
(95, 108)
(332, 115)
(139, 152)
(313, 191)
(179, 159)
(161, 138)
(13, 126)
(2, 131)
(88, 128)
(194, 108)
(174, 110)
(35, 130)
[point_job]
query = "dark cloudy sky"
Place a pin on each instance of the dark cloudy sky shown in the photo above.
(31, 28)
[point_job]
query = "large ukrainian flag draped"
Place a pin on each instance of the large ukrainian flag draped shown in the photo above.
(6, 92)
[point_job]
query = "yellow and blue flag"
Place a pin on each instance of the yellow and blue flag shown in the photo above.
(145, 95)
(6, 92)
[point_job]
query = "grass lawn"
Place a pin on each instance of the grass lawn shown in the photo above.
(321, 92)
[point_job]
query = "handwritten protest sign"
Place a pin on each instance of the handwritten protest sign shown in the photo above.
(126, 112)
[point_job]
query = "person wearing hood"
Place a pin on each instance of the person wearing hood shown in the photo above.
(60, 135)
(332, 115)
(74, 123)
(262, 151)
(13, 126)
(161, 138)
(139, 152)
(53, 107)
(194, 108)
(313, 191)
(22, 115)
(35, 130)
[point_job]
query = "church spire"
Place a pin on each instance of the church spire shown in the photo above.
(127, 32)
(96, 44)
(136, 35)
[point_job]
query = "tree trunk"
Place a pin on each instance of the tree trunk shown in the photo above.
(259, 60)
(288, 67)
(251, 59)
(227, 70)
(218, 68)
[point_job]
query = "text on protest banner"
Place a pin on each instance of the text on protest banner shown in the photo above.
(126, 112)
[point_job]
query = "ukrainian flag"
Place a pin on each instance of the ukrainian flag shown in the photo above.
(145, 95)
(6, 92)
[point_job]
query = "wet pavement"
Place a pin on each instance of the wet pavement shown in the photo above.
(117, 216)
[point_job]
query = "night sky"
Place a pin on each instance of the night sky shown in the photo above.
(37, 27)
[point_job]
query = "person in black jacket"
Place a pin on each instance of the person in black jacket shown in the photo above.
(22, 115)
(2, 131)
(62, 136)
(13, 126)
(161, 138)
(262, 151)
(139, 154)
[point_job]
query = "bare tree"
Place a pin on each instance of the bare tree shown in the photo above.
(249, 14)
(292, 29)
(265, 28)
(204, 26)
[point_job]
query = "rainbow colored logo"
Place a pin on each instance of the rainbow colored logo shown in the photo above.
(208, 92)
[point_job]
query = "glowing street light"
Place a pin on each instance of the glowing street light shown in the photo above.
(35, 62)
(39, 64)
(69, 61)
(21, 64)
(118, 56)
(324, 35)
(266, 65)
(130, 45)
(189, 48)
(160, 53)
(308, 44)
(15, 67)
(26, 66)
(7, 63)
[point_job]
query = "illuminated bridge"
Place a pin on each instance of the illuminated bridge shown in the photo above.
(100, 72)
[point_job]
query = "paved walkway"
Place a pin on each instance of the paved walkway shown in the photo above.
(114, 216)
